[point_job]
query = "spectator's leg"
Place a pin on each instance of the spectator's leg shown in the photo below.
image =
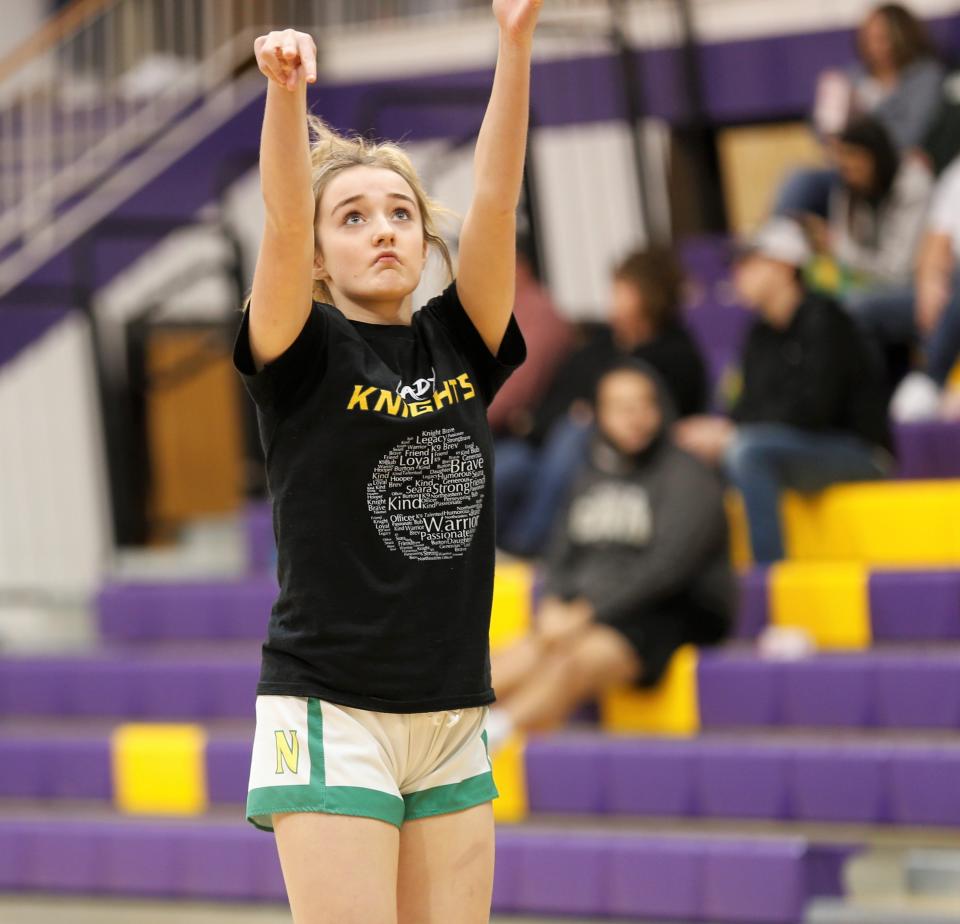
(766, 459)
(597, 658)
(560, 458)
(943, 347)
(805, 190)
(512, 665)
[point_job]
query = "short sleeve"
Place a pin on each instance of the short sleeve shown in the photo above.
(492, 371)
(280, 383)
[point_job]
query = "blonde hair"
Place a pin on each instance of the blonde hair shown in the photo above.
(332, 153)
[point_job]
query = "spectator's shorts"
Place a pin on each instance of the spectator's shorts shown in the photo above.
(313, 756)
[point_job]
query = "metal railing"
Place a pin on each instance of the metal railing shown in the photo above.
(104, 80)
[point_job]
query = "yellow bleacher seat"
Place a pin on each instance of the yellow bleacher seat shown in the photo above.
(510, 618)
(510, 776)
(827, 599)
(880, 523)
(670, 709)
(159, 769)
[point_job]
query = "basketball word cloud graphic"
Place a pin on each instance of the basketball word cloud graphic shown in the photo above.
(426, 494)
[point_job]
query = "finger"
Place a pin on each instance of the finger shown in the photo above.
(308, 57)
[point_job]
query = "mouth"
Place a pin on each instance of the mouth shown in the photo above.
(388, 257)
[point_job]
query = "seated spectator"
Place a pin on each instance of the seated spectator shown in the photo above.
(533, 474)
(932, 309)
(638, 565)
(897, 80)
(812, 410)
(549, 338)
(877, 212)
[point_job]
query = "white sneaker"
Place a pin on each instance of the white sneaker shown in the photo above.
(916, 399)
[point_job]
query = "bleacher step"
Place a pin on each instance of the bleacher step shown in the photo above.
(934, 872)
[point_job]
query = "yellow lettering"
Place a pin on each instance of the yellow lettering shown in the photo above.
(287, 752)
(466, 385)
(389, 401)
(360, 395)
(449, 394)
(420, 407)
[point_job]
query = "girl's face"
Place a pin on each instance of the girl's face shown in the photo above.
(855, 166)
(628, 410)
(369, 230)
(876, 45)
(628, 314)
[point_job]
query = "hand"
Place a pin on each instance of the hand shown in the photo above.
(517, 18)
(706, 437)
(559, 621)
(284, 57)
(932, 296)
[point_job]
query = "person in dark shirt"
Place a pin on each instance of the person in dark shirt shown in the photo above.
(369, 759)
(812, 409)
(638, 565)
(644, 322)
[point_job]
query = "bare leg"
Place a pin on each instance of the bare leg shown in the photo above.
(511, 666)
(446, 868)
(598, 658)
(338, 869)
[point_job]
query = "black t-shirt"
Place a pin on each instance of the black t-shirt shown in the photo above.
(818, 374)
(379, 457)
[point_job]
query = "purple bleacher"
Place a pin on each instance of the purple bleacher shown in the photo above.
(742, 780)
(804, 780)
(924, 789)
(738, 690)
(129, 687)
(915, 605)
(917, 690)
(842, 783)
(754, 604)
(234, 609)
(261, 546)
(719, 331)
(59, 768)
(928, 450)
(696, 878)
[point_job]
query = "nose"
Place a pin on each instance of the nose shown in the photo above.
(383, 232)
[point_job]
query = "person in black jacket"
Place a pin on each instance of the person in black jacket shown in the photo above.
(645, 322)
(812, 410)
(637, 566)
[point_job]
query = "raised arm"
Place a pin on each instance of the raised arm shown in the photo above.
(486, 276)
(282, 281)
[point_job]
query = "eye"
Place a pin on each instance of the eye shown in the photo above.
(403, 214)
(348, 219)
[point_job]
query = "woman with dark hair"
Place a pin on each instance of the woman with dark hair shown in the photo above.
(533, 474)
(876, 213)
(897, 79)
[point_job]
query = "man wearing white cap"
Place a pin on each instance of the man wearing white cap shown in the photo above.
(811, 411)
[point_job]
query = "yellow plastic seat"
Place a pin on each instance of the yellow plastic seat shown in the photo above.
(510, 618)
(509, 773)
(670, 709)
(829, 600)
(159, 769)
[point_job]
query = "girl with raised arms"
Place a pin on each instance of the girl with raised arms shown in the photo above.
(370, 760)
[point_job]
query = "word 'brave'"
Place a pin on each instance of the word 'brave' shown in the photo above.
(371, 398)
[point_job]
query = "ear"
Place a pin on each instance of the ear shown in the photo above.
(319, 273)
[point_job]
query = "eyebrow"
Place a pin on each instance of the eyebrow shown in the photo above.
(351, 199)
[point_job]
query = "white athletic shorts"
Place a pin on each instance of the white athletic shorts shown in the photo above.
(313, 756)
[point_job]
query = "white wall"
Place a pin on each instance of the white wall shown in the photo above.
(55, 532)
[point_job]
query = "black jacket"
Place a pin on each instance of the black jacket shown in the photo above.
(817, 374)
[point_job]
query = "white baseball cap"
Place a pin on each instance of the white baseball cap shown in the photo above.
(781, 239)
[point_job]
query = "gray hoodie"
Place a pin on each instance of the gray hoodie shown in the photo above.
(640, 531)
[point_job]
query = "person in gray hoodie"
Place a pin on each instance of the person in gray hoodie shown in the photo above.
(638, 565)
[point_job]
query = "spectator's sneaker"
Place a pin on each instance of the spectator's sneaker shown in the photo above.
(916, 399)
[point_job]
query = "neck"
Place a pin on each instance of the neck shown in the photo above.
(374, 311)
